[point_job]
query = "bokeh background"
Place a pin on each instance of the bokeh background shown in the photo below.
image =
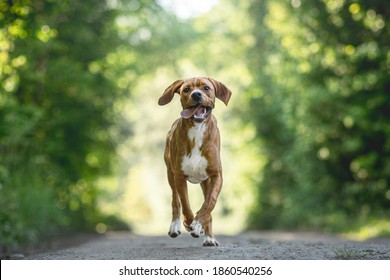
(305, 138)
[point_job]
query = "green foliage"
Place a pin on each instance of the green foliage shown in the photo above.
(315, 101)
(65, 68)
(54, 112)
(28, 209)
(321, 112)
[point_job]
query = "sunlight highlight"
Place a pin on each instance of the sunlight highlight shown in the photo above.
(186, 8)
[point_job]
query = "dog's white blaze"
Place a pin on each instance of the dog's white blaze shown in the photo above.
(194, 165)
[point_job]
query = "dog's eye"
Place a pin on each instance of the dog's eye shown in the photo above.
(206, 88)
(186, 89)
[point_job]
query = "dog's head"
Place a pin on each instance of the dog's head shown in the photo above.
(197, 96)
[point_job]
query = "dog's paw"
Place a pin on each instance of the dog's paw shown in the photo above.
(210, 241)
(174, 229)
(196, 229)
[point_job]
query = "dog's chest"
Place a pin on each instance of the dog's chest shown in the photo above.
(194, 164)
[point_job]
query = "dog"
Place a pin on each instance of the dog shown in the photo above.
(192, 153)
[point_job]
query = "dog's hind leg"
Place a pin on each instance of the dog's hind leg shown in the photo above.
(182, 190)
(175, 227)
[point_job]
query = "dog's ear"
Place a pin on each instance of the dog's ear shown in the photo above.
(221, 91)
(170, 92)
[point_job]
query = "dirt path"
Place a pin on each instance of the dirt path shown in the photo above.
(252, 245)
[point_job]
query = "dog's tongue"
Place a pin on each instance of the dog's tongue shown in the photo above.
(188, 113)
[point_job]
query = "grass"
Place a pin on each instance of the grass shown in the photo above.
(349, 254)
(373, 229)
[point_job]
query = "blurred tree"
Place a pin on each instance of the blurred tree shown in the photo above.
(55, 110)
(322, 112)
(65, 69)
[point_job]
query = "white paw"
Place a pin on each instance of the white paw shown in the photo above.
(196, 229)
(174, 229)
(210, 241)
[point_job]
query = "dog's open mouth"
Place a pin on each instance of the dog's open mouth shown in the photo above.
(198, 112)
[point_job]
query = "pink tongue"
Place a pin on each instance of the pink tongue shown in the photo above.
(188, 113)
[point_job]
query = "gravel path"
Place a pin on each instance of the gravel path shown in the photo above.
(251, 245)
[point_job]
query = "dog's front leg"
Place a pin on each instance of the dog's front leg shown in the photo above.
(203, 222)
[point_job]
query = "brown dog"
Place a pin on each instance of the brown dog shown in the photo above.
(192, 153)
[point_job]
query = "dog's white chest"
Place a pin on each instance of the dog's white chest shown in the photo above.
(194, 165)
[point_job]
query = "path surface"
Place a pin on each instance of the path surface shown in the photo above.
(252, 245)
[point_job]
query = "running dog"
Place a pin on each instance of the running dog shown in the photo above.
(192, 153)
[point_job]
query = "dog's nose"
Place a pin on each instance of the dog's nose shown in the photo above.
(196, 96)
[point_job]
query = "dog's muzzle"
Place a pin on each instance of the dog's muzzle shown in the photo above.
(198, 113)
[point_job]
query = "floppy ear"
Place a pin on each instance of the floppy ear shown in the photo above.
(169, 92)
(221, 91)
